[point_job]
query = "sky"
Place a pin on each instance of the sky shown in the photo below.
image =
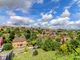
(52, 14)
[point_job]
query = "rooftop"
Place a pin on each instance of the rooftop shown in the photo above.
(19, 39)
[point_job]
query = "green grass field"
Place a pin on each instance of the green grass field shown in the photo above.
(42, 55)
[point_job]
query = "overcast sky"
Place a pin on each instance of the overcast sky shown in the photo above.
(41, 13)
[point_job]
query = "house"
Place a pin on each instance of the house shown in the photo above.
(1, 41)
(19, 42)
(48, 34)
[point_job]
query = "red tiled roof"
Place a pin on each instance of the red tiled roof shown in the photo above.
(19, 39)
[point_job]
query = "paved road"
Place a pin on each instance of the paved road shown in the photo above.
(6, 55)
(18, 50)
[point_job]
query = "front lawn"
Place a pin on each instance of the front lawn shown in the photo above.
(42, 55)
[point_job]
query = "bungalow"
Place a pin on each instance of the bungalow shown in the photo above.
(19, 42)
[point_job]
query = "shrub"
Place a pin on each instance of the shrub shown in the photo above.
(7, 46)
(25, 49)
(78, 50)
(74, 43)
(35, 52)
(58, 39)
(49, 45)
(39, 43)
(55, 45)
(64, 48)
(33, 42)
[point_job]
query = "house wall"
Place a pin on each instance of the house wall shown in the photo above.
(19, 44)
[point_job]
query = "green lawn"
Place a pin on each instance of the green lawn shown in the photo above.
(42, 55)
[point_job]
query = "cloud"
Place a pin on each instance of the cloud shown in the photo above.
(8, 23)
(40, 1)
(22, 20)
(46, 21)
(78, 14)
(75, 2)
(72, 3)
(64, 23)
(19, 4)
(3, 19)
(66, 13)
(55, 0)
(10, 13)
(60, 21)
(78, 3)
(46, 17)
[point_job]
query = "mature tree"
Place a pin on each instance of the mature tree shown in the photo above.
(78, 35)
(72, 35)
(35, 52)
(50, 45)
(7, 46)
(1, 34)
(11, 36)
(27, 34)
